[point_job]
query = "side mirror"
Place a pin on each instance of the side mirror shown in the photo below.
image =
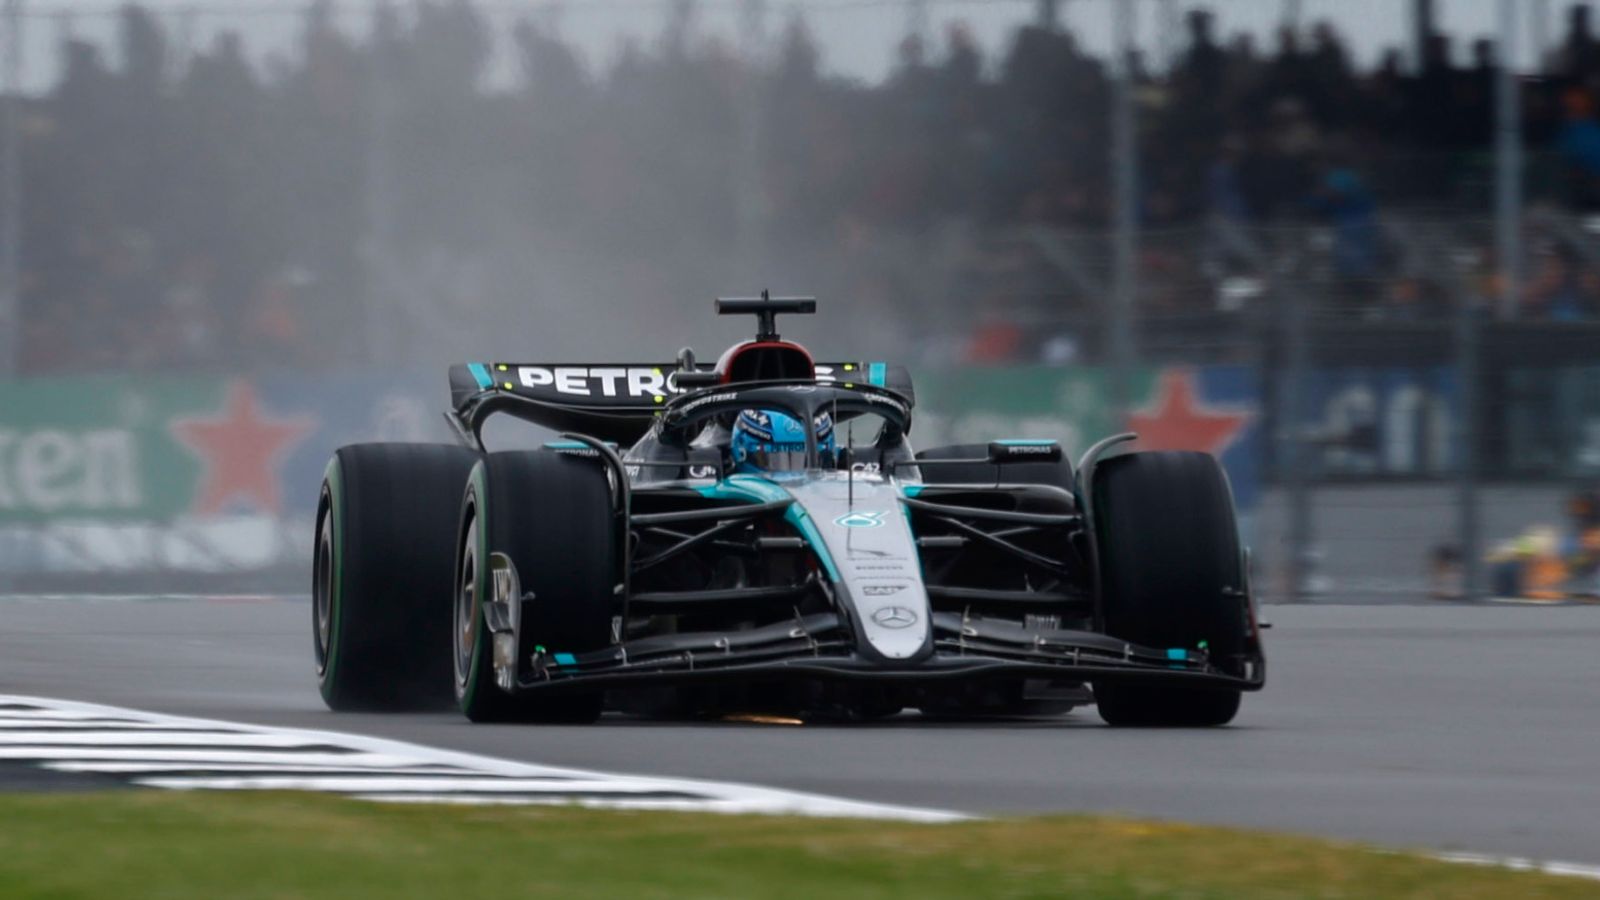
(687, 376)
(1004, 452)
(689, 380)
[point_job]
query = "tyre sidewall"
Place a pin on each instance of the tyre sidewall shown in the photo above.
(330, 521)
(471, 693)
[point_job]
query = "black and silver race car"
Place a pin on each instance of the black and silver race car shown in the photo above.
(646, 561)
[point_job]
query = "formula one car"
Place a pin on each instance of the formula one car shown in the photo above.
(712, 539)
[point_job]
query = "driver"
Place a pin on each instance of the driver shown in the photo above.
(768, 440)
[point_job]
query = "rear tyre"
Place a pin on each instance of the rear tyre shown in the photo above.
(1171, 575)
(382, 575)
(1056, 474)
(552, 515)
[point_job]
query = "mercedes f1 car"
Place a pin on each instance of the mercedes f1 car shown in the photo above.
(758, 535)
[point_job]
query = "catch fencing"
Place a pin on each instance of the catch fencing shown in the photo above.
(1373, 392)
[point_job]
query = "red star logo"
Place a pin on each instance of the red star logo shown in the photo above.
(1177, 420)
(240, 449)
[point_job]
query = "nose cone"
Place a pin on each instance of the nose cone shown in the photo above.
(869, 538)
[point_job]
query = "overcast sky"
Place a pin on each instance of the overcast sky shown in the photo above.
(857, 37)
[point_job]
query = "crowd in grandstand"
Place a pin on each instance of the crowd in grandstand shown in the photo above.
(197, 214)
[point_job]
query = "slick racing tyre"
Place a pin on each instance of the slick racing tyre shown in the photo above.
(552, 515)
(382, 574)
(1171, 575)
(1056, 474)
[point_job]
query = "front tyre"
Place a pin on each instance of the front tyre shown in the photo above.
(382, 574)
(1171, 575)
(552, 515)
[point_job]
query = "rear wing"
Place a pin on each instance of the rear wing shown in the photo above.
(609, 401)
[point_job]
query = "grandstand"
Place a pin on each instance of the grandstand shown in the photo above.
(1315, 208)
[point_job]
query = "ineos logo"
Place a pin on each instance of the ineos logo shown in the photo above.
(895, 617)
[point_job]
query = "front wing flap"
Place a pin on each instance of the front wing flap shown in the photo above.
(820, 645)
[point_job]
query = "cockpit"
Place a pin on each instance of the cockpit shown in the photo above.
(775, 428)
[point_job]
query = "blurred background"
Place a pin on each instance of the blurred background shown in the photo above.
(1352, 247)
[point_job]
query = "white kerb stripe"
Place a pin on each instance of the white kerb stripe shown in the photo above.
(138, 768)
(164, 739)
(275, 746)
(433, 784)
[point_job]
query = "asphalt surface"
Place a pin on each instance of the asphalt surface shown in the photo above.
(1445, 727)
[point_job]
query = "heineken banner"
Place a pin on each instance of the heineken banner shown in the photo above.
(136, 474)
(160, 449)
(1212, 408)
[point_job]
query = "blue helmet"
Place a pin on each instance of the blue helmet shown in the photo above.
(766, 440)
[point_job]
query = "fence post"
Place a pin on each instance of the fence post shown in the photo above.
(11, 182)
(379, 335)
(1539, 34)
(749, 170)
(1293, 425)
(1508, 164)
(1468, 435)
(1125, 213)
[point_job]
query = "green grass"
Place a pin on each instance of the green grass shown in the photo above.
(210, 845)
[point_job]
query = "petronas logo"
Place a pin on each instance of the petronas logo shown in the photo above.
(860, 520)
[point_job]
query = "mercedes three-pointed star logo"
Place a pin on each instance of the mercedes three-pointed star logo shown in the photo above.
(895, 617)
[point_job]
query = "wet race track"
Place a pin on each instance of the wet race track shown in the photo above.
(1445, 727)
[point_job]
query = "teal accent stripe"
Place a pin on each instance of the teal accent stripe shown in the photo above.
(566, 445)
(798, 517)
(1178, 653)
(911, 490)
(1030, 442)
(566, 659)
(760, 490)
(481, 373)
(744, 487)
(877, 373)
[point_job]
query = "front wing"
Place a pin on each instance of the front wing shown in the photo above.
(820, 646)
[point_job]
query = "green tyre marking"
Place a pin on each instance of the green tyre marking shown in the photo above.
(477, 485)
(332, 479)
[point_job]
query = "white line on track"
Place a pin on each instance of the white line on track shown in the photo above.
(752, 806)
(434, 784)
(189, 737)
(11, 725)
(47, 753)
(126, 738)
(1523, 864)
(150, 598)
(141, 768)
(182, 753)
(17, 713)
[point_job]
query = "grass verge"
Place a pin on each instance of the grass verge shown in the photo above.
(249, 845)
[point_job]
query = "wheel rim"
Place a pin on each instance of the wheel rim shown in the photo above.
(466, 606)
(322, 589)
